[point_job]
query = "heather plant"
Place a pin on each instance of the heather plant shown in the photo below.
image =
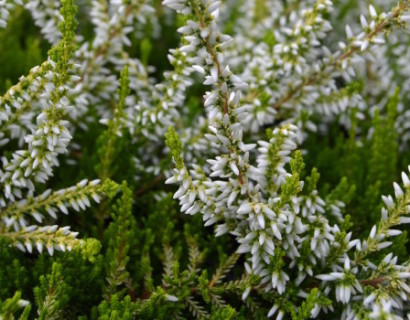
(206, 159)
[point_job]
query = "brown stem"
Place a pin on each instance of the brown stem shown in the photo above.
(150, 185)
(373, 282)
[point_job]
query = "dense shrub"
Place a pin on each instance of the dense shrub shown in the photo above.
(216, 159)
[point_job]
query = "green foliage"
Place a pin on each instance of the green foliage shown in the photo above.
(174, 144)
(61, 53)
(120, 235)
(113, 143)
(20, 48)
(11, 306)
(358, 169)
(14, 275)
(292, 185)
(52, 295)
(117, 309)
(226, 313)
(314, 299)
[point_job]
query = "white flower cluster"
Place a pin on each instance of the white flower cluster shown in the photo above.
(302, 72)
(49, 138)
(76, 197)
(150, 107)
(262, 205)
(93, 82)
(389, 280)
(47, 17)
(17, 106)
(49, 237)
(16, 217)
(299, 34)
(5, 7)
(96, 83)
(45, 13)
(42, 96)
